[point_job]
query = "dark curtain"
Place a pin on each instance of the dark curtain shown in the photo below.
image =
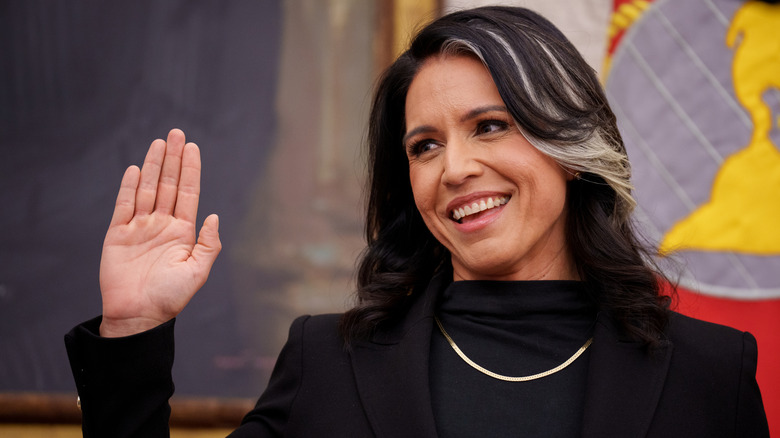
(85, 86)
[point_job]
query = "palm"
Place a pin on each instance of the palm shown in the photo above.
(155, 250)
(152, 264)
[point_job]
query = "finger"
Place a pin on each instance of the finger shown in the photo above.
(125, 200)
(189, 184)
(169, 175)
(150, 175)
(208, 247)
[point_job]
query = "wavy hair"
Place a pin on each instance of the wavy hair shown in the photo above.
(560, 107)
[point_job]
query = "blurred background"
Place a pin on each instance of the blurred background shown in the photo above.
(276, 94)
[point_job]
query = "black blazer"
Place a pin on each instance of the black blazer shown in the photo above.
(700, 383)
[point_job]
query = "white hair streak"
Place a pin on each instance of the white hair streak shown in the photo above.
(595, 154)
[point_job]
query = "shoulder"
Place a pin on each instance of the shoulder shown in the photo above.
(316, 327)
(706, 342)
(712, 375)
(680, 324)
(316, 336)
(717, 359)
(327, 321)
(313, 375)
(686, 327)
(698, 352)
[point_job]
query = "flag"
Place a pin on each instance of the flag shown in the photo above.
(696, 90)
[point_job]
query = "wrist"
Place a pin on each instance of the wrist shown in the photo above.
(121, 327)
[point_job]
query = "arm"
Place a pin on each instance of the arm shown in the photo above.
(124, 383)
(151, 266)
(751, 418)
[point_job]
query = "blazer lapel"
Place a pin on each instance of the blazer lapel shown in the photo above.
(391, 371)
(624, 384)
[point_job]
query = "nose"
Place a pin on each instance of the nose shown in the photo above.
(460, 163)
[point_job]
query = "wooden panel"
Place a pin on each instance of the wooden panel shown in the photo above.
(396, 23)
(408, 17)
(188, 412)
(74, 431)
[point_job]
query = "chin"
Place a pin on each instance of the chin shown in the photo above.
(486, 269)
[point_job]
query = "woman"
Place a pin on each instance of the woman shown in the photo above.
(502, 292)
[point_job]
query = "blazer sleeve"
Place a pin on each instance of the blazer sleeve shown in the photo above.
(123, 383)
(751, 417)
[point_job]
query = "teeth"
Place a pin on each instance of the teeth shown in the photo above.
(476, 207)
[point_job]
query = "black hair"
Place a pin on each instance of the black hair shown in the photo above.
(560, 107)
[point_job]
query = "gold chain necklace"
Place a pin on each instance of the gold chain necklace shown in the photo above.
(508, 378)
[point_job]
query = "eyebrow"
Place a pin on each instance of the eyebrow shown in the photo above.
(481, 110)
(476, 112)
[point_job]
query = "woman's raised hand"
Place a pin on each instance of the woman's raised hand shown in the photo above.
(152, 264)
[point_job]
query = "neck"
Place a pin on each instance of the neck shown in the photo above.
(559, 267)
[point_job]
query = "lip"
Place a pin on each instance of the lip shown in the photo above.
(485, 218)
(470, 198)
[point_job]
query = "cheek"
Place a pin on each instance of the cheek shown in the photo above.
(423, 189)
(553, 195)
(550, 177)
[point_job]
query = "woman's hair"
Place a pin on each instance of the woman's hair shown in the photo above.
(560, 107)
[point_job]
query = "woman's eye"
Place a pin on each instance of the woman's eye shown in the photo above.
(421, 147)
(490, 126)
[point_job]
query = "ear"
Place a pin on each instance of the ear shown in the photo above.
(572, 174)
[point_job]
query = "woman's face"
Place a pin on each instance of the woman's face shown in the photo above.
(495, 201)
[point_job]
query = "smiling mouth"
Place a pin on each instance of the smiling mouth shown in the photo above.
(477, 207)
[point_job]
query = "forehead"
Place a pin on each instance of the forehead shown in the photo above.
(447, 83)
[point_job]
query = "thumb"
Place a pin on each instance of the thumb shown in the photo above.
(206, 250)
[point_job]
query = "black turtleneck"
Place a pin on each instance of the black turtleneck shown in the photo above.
(513, 328)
